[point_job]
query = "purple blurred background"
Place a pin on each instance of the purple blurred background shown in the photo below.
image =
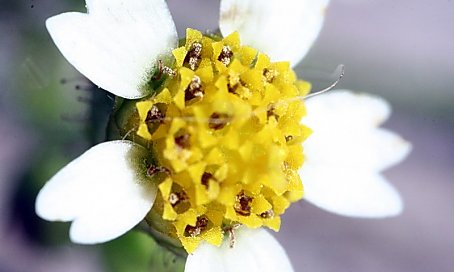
(401, 50)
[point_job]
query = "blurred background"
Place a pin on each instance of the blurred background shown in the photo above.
(401, 50)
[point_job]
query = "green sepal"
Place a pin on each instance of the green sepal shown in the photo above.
(163, 231)
(124, 119)
(124, 122)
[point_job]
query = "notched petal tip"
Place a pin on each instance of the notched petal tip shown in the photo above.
(46, 209)
(346, 153)
(400, 149)
(104, 192)
(267, 25)
(95, 44)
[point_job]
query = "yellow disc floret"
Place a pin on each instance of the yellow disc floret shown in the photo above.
(226, 134)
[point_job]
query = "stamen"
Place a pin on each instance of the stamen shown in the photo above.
(270, 112)
(232, 89)
(231, 231)
(194, 89)
(285, 166)
(226, 55)
(243, 204)
(194, 56)
(206, 178)
(153, 170)
(267, 214)
(288, 138)
(269, 74)
(200, 226)
(183, 141)
(218, 120)
(154, 116)
(177, 197)
(168, 71)
(164, 70)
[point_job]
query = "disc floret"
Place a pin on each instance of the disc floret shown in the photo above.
(227, 130)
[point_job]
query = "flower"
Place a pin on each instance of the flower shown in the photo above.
(214, 133)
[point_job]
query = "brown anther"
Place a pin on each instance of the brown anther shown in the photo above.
(271, 112)
(267, 214)
(285, 166)
(288, 138)
(164, 70)
(174, 199)
(194, 56)
(226, 55)
(194, 89)
(205, 180)
(231, 231)
(200, 226)
(218, 120)
(232, 89)
(177, 197)
(183, 141)
(234, 83)
(242, 205)
(269, 74)
(168, 71)
(154, 115)
(153, 170)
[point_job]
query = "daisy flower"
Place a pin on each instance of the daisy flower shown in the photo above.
(208, 138)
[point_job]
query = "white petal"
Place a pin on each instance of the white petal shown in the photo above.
(373, 149)
(105, 192)
(254, 251)
(346, 108)
(345, 132)
(117, 44)
(283, 29)
(346, 152)
(350, 191)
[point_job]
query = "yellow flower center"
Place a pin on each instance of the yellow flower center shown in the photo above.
(227, 139)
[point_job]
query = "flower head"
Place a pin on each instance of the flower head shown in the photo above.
(212, 138)
(227, 130)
